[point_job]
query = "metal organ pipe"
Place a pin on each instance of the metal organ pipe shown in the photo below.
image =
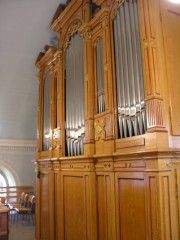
(46, 112)
(74, 96)
(100, 77)
(129, 76)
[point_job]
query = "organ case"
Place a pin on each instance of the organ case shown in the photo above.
(108, 123)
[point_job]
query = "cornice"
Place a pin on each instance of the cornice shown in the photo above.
(18, 145)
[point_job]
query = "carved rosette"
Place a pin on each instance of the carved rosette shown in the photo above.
(71, 31)
(100, 132)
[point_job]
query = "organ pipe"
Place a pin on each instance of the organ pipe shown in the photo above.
(74, 92)
(100, 77)
(129, 76)
(46, 112)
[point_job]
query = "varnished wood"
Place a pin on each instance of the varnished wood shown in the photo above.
(119, 189)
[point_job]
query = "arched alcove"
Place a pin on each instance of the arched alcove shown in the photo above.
(8, 174)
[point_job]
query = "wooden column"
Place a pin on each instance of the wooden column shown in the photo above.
(152, 53)
(57, 197)
(89, 90)
(39, 124)
(45, 216)
(38, 205)
(58, 104)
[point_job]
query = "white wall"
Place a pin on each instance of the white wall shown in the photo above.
(16, 158)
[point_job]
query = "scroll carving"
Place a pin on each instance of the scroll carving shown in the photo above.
(72, 30)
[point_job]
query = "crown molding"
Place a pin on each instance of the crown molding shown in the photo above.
(18, 145)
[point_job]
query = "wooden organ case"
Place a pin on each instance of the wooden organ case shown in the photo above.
(108, 159)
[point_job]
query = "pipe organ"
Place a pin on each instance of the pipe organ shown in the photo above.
(129, 77)
(108, 134)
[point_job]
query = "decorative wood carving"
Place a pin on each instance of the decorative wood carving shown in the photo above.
(71, 31)
(56, 138)
(100, 132)
(87, 33)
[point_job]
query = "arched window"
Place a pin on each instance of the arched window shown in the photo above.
(3, 183)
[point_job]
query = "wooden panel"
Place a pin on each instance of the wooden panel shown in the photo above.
(106, 207)
(101, 205)
(171, 31)
(131, 208)
(153, 206)
(165, 181)
(57, 205)
(127, 143)
(44, 203)
(74, 208)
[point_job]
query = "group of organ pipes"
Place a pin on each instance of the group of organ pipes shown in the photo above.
(105, 139)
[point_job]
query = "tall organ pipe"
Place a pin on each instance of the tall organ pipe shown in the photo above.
(129, 77)
(46, 111)
(100, 77)
(74, 96)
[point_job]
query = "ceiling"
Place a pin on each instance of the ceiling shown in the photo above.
(24, 28)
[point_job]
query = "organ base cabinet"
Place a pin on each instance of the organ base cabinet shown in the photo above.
(125, 196)
(108, 155)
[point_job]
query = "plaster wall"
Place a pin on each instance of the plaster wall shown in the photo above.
(16, 161)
